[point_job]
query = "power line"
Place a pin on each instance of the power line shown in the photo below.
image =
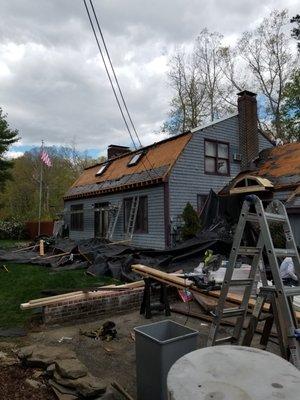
(113, 71)
(117, 83)
(107, 72)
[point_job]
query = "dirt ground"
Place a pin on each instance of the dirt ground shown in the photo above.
(114, 360)
(13, 385)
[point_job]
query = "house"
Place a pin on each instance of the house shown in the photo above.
(275, 175)
(164, 177)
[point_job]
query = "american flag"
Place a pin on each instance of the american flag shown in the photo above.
(45, 158)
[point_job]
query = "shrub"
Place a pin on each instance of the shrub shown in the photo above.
(191, 222)
(12, 229)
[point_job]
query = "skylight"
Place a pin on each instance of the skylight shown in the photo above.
(135, 159)
(102, 169)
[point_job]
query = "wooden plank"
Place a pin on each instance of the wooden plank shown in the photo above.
(183, 283)
(44, 301)
(208, 303)
(226, 322)
(24, 248)
(164, 277)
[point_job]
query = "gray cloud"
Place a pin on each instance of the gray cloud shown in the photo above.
(53, 85)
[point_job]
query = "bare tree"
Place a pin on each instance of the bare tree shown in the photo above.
(208, 61)
(201, 88)
(268, 56)
(188, 104)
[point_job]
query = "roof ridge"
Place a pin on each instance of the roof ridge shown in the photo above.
(141, 149)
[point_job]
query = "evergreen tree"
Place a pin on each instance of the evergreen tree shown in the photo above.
(191, 222)
(7, 138)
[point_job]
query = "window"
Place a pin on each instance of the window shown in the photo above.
(101, 219)
(216, 157)
(201, 199)
(102, 169)
(77, 217)
(135, 159)
(141, 223)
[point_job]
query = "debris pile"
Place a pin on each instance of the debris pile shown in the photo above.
(63, 371)
(100, 258)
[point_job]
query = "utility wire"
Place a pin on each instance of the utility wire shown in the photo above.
(107, 72)
(113, 71)
(117, 83)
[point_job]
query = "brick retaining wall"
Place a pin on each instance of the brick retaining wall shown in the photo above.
(110, 303)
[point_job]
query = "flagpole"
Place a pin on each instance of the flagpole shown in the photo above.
(41, 191)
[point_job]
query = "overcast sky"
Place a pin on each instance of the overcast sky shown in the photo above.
(53, 84)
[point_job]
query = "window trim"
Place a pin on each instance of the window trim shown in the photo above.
(102, 168)
(81, 214)
(140, 156)
(204, 198)
(216, 142)
(138, 232)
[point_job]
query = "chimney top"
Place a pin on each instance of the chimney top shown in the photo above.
(247, 92)
(115, 150)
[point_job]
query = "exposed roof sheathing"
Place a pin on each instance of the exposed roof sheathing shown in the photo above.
(280, 165)
(154, 166)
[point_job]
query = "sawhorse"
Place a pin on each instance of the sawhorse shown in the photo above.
(147, 307)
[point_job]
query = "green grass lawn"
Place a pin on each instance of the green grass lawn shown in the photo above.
(25, 282)
(6, 244)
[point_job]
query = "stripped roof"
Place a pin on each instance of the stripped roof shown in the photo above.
(153, 168)
(280, 165)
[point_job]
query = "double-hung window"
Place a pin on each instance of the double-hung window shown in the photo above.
(216, 157)
(76, 217)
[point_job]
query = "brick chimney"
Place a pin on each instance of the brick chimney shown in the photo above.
(115, 150)
(249, 147)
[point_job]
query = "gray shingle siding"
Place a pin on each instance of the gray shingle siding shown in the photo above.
(155, 238)
(263, 142)
(188, 178)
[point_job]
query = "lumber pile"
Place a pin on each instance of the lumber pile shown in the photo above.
(182, 283)
(79, 295)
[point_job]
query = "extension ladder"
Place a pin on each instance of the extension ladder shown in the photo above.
(275, 213)
(114, 213)
(132, 217)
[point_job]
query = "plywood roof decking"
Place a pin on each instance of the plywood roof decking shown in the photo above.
(282, 161)
(157, 162)
(280, 165)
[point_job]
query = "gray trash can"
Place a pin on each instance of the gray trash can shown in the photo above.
(157, 347)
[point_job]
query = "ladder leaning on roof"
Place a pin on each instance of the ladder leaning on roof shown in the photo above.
(275, 212)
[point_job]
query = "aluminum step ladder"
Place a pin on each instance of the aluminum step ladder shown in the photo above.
(132, 217)
(275, 213)
(114, 213)
(267, 296)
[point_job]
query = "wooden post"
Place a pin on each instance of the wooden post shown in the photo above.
(42, 249)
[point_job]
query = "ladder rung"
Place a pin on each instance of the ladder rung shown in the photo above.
(289, 291)
(275, 217)
(248, 251)
(241, 282)
(292, 291)
(252, 217)
(225, 339)
(285, 252)
(233, 312)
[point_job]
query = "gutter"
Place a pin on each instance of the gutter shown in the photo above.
(114, 189)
